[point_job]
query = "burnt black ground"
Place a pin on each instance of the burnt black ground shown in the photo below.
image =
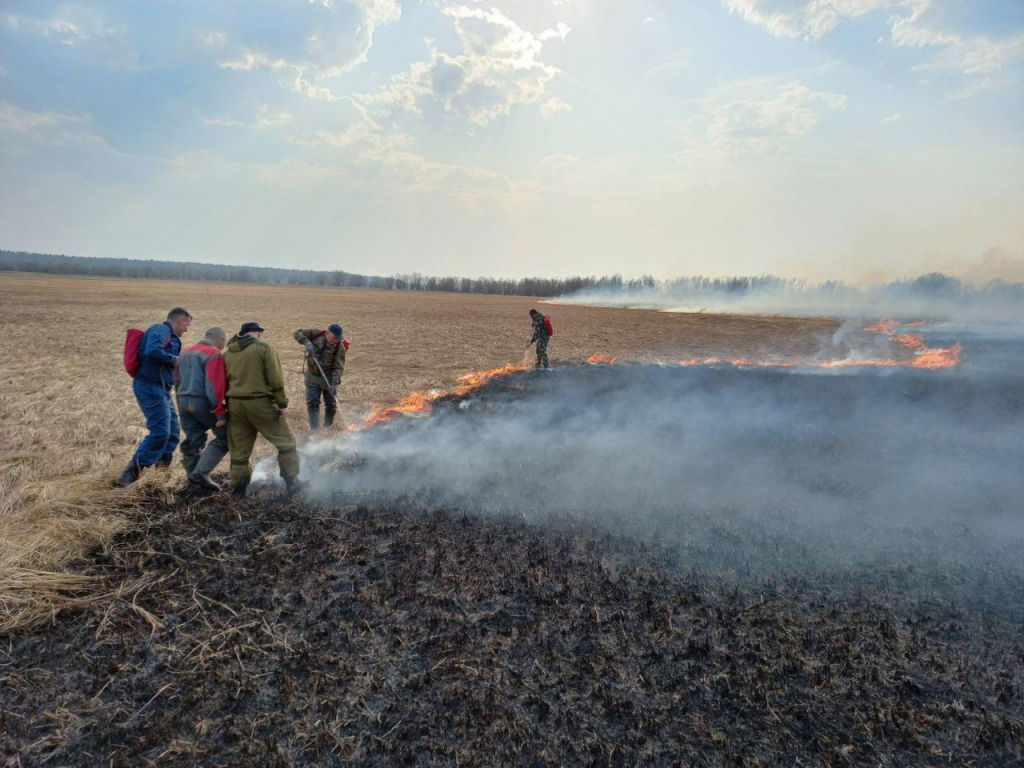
(282, 634)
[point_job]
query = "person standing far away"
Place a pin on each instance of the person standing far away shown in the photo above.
(257, 405)
(201, 385)
(541, 337)
(158, 354)
(328, 349)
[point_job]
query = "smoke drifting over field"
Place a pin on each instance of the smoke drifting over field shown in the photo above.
(932, 296)
(738, 473)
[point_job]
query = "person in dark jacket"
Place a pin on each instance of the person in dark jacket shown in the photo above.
(158, 354)
(326, 348)
(201, 386)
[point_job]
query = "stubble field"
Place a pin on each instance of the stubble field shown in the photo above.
(68, 421)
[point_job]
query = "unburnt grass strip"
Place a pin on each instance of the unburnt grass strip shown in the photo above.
(272, 633)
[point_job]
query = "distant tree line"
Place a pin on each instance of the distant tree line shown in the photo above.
(18, 261)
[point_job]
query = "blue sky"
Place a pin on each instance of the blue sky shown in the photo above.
(859, 139)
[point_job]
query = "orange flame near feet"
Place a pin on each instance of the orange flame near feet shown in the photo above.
(602, 359)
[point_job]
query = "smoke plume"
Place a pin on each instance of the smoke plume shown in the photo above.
(935, 296)
(737, 473)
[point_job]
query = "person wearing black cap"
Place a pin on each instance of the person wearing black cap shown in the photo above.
(257, 405)
(325, 357)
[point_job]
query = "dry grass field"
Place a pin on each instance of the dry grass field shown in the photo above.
(68, 420)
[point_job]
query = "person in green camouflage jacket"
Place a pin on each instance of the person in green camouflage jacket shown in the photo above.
(540, 336)
(328, 349)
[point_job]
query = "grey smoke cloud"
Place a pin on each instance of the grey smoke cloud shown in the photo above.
(934, 296)
(737, 473)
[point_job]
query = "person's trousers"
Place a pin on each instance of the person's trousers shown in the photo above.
(197, 421)
(246, 420)
(161, 421)
(542, 353)
(313, 395)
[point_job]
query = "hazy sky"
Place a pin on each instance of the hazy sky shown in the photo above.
(848, 138)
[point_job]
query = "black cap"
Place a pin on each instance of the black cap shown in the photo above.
(335, 329)
(250, 328)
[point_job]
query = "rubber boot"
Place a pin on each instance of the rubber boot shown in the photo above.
(328, 418)
(203, 482)
(129, 476)
(292, 486)
(163, 464)
(314, 420)
(208, 462)
(189, 463)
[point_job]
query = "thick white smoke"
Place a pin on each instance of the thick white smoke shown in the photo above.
(934, 296)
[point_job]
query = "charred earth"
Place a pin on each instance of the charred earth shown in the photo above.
(435, 621)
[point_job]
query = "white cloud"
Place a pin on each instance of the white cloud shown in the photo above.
(805, 18)
(559, 162)
(553, 106)
(265, 119)
(911, 25)
(22, 129)
(364, 144)
(211, 39)
(742, 120)
(499, 67)
(71, 25)
(893, 118)
(334, 38)
(670, 66)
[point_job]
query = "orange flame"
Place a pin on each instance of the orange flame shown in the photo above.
(422, 403)
(924, 356)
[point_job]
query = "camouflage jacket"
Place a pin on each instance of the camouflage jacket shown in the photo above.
(540, 333)
(331, 358)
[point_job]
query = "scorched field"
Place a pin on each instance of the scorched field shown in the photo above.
(698, 540)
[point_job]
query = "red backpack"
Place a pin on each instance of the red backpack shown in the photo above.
(132, 347)
(547, 325)
(132, 342)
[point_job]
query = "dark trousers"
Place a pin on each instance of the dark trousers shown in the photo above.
(161, 421)
(197, 421)
(542, 353)
(313, 395)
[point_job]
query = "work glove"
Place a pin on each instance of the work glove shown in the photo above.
(282, 414)
(309, 348)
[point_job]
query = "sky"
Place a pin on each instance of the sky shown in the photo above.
(849, 139)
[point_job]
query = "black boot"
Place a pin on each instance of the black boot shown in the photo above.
(163, 464)
(292, 486)
(328, 418)
(203, 482)
(129, 476)
(314, 420)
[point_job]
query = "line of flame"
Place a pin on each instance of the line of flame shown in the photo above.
(924, 357)
(422, 403)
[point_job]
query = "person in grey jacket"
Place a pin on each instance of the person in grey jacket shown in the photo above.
(201, 386)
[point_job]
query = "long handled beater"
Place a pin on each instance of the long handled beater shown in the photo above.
(320, 368)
